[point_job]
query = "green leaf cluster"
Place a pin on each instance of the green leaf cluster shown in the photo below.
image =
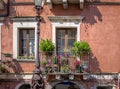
(3, 69)
(55, 60)
(81, 48)
(47, 47)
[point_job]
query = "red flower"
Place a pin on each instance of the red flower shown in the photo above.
(77, 63)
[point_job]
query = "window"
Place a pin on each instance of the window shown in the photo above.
(104, 87)
(65, 39)
(26, 42)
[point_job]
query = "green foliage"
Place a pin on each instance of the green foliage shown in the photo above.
(55, 60)
(43, 63)
(65, 69)
(81, 48)
(3, 69)
(25, 57)
(7, 55)
(47, 47)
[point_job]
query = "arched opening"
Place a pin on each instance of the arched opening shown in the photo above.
(66, 85)
(25, 86)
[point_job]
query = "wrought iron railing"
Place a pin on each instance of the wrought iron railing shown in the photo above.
(65, 62)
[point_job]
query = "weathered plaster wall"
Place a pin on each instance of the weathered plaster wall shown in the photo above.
(100, 28)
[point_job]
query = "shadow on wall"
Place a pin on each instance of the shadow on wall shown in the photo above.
(91, 13)
(16, 67)
(94, 64)
(12, 65)
(6, 20)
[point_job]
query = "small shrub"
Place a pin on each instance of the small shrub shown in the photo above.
(81, 48)
(47, 47)
(3, 69)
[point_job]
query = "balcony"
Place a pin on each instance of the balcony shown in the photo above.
(64, 63)
(65, 3)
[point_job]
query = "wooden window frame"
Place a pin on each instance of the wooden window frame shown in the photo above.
(27, 40)
(66, 36)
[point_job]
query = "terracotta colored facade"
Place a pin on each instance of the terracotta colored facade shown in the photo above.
(100, 28)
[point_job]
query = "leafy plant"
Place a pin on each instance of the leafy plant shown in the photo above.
(81, 48)
(25, 57)
(55, 60)
(31, 57)
(3, 69)
(43, 63)
(65, 69)
(7, 54)
(47, 47)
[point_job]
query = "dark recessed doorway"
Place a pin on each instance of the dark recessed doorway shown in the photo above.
(25, 86)
(66, 85)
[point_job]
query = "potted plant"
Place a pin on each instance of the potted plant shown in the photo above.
(78, 67)
(47, 47)
(3, 69)
(43, 64)
(25, 57)
(65, 69)
(55, 60)
(80, 49)
(7, 55)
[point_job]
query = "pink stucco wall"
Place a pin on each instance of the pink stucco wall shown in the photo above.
(100, 28)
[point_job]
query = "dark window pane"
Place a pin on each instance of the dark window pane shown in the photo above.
(70, 42)
(65, 39)
(27, 42)
(71, 33)
(31, 42)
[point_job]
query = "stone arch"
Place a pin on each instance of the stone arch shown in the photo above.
(23, 84)
(80, 84)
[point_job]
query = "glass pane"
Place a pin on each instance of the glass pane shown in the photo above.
(61, 33)
(71, 42)
(31, 47)
(24, 34)
(61, 46)
(71, 33)
(71, 39)
(24, 42)
(32, 34)
(31, 42)
(61, 41)
(24, 51)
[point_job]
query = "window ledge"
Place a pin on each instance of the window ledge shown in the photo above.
(68, 19)
(24, 60)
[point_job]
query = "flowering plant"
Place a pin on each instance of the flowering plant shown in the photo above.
(78, 65)
(56, 59)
